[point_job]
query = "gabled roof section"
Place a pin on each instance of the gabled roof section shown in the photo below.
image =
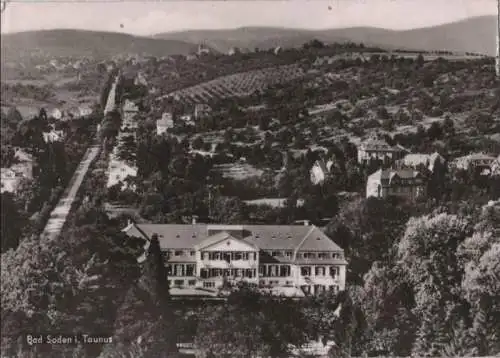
(316, 240)
(221, 236)
(390, 174)
(133, 230)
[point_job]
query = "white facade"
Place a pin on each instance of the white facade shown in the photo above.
(164, 124)
(296, 260)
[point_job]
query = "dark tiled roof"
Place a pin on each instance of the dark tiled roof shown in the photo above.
(389, 174)
(265, 237)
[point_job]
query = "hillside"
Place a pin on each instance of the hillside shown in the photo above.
(470, 35)
(78, 44)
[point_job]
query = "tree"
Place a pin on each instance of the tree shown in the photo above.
(480, 256)
(68, 285)
(12, 222)
(426, 254)
(387, 305)
(251, 323)
(155, 282)
(367, 229)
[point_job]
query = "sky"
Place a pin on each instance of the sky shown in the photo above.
(148, 17)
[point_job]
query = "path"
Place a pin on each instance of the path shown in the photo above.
(60, 213)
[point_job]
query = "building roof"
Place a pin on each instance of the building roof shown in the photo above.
(381, 145)
(265, 237)
(416, 159)
(23, 156)
(390, 174)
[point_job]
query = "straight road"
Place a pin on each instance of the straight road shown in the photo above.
(60, 213)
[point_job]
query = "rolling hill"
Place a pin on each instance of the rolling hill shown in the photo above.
(80, 43)
(470, 35)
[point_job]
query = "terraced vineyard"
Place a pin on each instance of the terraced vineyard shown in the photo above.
(237, 85)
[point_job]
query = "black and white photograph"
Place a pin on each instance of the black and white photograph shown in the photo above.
(250, 179)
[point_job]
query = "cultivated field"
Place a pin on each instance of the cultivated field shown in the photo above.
(237, 85)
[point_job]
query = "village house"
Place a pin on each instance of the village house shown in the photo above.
(417, 160)
(165, 123)
(187, 119)
(140, 80)
(380, 150)
(118, 172)
(201, 110)
(9, 180)
(53, 136)
(495, 167)
(130, 106)
(85, 111)
(56, 114)
(475, 160)
(405, 183)
(287, 260)
(11, 177)
(203, 50)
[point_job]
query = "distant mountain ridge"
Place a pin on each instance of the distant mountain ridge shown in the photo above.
(475, 34)
(81, 43)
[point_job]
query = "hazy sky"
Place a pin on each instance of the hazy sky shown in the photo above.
(149, 17)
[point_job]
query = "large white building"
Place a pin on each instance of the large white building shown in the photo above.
(288, 260)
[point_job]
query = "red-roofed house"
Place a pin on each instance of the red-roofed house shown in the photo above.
(300, 258)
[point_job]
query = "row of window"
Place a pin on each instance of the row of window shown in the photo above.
(228, 256)
(216, 272)
(245, 256)
(180, 283)
(274, 283)
(319, 255)
(177, 253)
(319, 271)
(306, 288)
(274, 270)
(181, 270)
